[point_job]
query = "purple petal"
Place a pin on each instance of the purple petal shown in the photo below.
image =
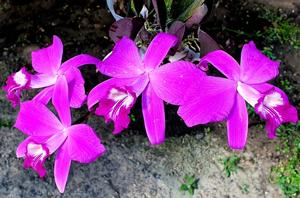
(15, 84)
(100, 91)
(115, 106)
(275, 109)
(223, 62)
(35, 157)
(42, 80)
(83, 144)
(60, 101)
(158, 49)
(209, 99)
(123, 62)
(171, 81)
(77, 94)
(36, 119)
(61, 168)
(44, 96)
(237, 124)
(255, 66)
(21, 150)
(48, 60)
(154, 116)
(78, 61)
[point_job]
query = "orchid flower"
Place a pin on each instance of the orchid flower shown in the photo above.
(212, 99)
(15, 84)
(134, 74)
(47, 134)
(47, 63)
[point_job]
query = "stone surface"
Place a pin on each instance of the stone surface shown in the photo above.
(291, 6)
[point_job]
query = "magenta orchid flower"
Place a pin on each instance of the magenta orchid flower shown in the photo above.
(212, 99)
(15, 84)
(134, 74)
(47, 134)
(47, 63)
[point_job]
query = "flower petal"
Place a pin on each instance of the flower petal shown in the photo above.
(48, 60)
(15, 84)
(60, 101)
(44, 96)
(77, 94)
(274, 108)
(209, 99)
(137, 85)
(154, 116)
(237, 124)
(61, 168)
(223, 62)
(83, 144)
(255, 66)
(36, 119)
(115, 106)
(171, 81)
(78, 61)
(42, 80)
(35, 157)
(21, 150)
(158, 49)
(123, 62)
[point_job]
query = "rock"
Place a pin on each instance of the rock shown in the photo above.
(290, 6)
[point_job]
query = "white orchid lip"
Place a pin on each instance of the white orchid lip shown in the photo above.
(121, 99)
(269, 103)
(20, 78)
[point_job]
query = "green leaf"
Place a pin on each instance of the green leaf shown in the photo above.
(184, 187)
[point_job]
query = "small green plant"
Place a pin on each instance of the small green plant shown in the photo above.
(189, 184)
(132, 117)
(231, 164)
(245, 188)
(287, 173)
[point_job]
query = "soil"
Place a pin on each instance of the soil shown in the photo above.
(131, 167)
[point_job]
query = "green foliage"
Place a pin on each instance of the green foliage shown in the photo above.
(287, 173)
(231, 165)
(251, 112)
(6, 123)
(132, 117)
(190, 183)
(281, 30)
(269, 51)
(287, 86)
(245, 188)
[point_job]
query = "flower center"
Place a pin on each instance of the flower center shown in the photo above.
(268, 106)
(20, 78)
(37, 151)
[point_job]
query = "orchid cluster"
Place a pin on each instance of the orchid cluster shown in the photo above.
(201, 98)
(160, 75)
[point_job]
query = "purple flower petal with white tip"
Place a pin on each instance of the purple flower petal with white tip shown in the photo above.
(275, 109)
(116, 105)
(205, 102)
(48, 134)
(134, 74)
(15, 84)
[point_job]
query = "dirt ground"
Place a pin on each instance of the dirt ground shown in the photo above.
(131, 167)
